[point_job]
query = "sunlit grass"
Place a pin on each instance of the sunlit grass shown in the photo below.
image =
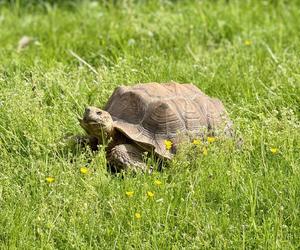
(214, 194)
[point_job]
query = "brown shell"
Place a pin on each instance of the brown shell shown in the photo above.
(151, 113)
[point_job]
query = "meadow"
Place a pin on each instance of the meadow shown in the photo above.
(54, 195)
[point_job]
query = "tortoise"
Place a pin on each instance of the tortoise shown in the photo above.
(143, 117)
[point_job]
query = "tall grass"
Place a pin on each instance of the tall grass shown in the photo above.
(244, 52)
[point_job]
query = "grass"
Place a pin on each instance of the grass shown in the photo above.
(244, 52)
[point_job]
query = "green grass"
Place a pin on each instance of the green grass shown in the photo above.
(229, 199)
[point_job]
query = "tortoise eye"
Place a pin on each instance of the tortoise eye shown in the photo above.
(98, 112)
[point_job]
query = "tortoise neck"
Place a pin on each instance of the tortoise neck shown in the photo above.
(107, 136)
(112, 133)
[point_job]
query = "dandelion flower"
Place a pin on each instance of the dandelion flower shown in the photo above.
(196, 142)
(84, 170)
(168, 144)
(129, 193)
(137, 215)
(50, 179)
(204, 152)
(150, 194)
(211, 139)
(157, 182)
(247, 42)
(274, 150)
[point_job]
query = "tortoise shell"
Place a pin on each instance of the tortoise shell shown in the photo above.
(152, 113)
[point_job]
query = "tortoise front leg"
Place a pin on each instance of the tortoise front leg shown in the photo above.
(127, 157)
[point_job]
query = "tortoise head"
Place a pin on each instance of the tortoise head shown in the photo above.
(98, 123)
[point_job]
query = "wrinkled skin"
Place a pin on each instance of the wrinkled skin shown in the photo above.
(122, 153)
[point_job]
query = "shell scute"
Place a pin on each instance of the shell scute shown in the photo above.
(151, 113)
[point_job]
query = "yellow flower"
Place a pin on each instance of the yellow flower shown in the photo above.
(150, 194)
(129, 193)
(157, 182)
(274, 150)
(196, 142)
(137, 215)
(204, 151)
(84, 170)
(168, 144)
(211, 139)
(247, 42)
(50, 179)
